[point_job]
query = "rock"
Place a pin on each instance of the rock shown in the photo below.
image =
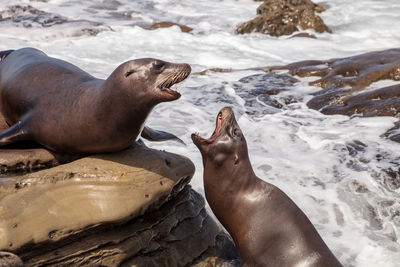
(27, 160)
(265, 93)
(345, 78)
(283, 17)
(89, 191)
(344, 81)
(212, 70)
(121, 209)
(26, 16)
(170, 24)
(304, 35)
(8, 259)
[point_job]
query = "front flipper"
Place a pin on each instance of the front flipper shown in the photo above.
(13, 134)
(154, 135)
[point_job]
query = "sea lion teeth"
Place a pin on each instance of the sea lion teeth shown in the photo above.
(45, 105)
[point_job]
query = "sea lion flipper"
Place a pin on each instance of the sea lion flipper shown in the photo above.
(155, 135)
(13, 134)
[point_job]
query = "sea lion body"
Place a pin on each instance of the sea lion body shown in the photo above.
(267, 226)
(65, 109)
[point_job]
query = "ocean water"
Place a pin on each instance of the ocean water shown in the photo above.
(338, 169)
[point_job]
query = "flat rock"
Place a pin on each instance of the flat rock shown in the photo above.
(131, 208)
(52, 204)
(45, 25)
(179, 233)
(166, 24)
(346, 83)
(283, 17)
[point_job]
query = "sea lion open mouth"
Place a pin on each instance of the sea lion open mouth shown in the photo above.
(218, 124)
(174, 77)
(215, 134)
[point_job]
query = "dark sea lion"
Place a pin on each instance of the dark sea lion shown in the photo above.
(65, 109)
(267, 226)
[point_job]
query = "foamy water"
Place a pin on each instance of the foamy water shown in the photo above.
(331, 166)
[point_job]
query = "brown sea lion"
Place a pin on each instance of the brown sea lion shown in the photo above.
(267, 226)
(65, 109)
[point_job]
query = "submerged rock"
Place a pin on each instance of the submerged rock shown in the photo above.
(265, 93)
(166, 24)
(26, 16)
(283, 17)
(345, 81)
(127, 208)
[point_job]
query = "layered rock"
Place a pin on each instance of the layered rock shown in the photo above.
(131, 208)
(283, 17)
(28, 17)
(347, 81)
(344, 81)
(166, 24)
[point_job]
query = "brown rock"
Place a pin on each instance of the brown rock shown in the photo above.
(212, 70)
(8, 259)
(121, 209)
(356, 73)
(170, 24)
(26, 16)
(344, 81)
(64, 200)
(304, 35)
(283, 17)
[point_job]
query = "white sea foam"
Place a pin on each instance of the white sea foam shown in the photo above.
(331, 166)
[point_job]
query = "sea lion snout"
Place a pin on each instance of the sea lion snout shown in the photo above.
(227, 140)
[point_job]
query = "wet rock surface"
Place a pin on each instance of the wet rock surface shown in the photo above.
(283, 17)
(166, 24)
(348, 84)
(8, 259)
(265, 93)
(26, 16)
(121, 209)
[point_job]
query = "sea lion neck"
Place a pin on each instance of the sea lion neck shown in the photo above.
(219, 179)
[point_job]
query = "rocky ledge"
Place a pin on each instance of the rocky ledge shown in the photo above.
(349, 87)
(283, 17)
(131, 208)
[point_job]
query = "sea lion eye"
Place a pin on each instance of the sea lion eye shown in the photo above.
(236, 132)
(158, 66)
(129, 73)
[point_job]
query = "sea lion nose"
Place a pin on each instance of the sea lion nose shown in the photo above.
(187, 67)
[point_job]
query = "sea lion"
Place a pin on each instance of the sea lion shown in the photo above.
(266, 225)
(65, 109)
